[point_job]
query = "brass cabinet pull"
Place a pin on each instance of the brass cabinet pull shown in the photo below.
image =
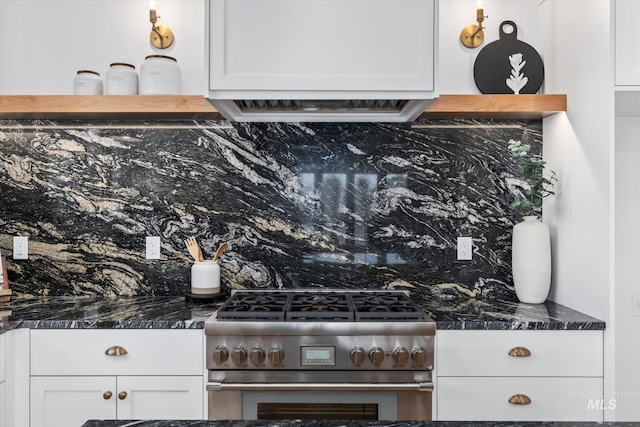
(115, 350)
(107, 395)
(519, 352)
(520, 399)
(122, 395)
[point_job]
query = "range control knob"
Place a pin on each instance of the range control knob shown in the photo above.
(400, 356)
(220, 354)
(239, 356)
(256, 356)
(376, 356)
(419, 356)
(357, 356)
(276, 356)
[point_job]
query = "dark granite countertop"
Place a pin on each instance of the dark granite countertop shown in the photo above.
(176, 313)
(320, 423)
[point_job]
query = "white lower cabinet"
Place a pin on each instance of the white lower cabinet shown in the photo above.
(78, 375)
(3, 404)
(519, 375)
(3, 378)
(67, 401)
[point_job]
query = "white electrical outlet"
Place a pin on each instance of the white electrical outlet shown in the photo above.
(465, 248)
(635, 299)
(153, 247)
(20, 247)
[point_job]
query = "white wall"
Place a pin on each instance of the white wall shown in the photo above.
(44, 42)
(627, 251)
(579, 146)
(456, 61)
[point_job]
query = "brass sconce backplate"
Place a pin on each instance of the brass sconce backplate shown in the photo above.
(472, 36)
(161, 37)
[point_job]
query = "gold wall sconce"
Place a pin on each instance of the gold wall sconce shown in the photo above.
(472, 35)
(161, 36)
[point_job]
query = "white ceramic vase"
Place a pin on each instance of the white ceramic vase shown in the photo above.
(531, 260)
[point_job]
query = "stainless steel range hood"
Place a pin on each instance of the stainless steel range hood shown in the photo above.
(321, 110)
(318, 60)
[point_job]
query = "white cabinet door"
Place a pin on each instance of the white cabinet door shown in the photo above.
(487, 398)
(3, 394)
(168, 398)
(3, 358)
(627, 16)
(71, 401)
(318, 45)
(3, 404)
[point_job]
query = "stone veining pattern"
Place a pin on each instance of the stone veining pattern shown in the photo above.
(364, 206)
(166, 312)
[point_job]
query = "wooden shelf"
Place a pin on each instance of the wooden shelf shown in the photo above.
(495, 106)
(192, 107)
(89, 107)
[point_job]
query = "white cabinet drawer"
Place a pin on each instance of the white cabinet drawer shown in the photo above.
(487, 399)
(553, 353)
(149, 352)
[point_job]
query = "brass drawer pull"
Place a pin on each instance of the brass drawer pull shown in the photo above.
(115, 350)
(122, 395)
(520, 399)
(519, 352)
(107, 395)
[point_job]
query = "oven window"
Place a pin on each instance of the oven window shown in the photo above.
(317, 411)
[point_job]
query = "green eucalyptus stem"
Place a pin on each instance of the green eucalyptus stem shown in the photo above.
(536, 187)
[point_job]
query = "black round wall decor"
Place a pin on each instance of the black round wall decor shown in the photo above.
(508, 65)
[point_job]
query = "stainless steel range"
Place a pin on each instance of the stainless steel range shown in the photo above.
(320, 355)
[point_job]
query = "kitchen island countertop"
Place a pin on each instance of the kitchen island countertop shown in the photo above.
(335, 423)
(174, 313)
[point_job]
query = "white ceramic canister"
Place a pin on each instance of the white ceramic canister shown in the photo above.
(122, 79)
(87, 82)
(160, 75)
(205, 278)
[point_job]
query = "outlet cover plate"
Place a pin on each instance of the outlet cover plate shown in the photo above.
(153, 247)
(20, 247)
(465, 248)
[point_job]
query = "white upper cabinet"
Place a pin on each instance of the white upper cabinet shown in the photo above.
(627, 62)
(318, 49)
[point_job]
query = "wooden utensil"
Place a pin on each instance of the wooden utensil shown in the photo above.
(194, 248)
(220, 251)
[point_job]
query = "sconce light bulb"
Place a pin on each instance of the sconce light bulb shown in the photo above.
(152, 4)
(480, 4)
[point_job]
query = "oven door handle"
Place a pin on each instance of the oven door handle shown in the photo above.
(218, 386)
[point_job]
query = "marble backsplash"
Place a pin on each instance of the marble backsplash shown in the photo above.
(373, 206)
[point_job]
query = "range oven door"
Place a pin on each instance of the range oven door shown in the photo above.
(320, 401)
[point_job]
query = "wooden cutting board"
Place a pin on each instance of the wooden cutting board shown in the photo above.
(508, 65)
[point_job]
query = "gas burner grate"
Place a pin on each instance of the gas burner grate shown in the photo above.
(255, 306)
(385, 305)
(351, 306)
(320, 306)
